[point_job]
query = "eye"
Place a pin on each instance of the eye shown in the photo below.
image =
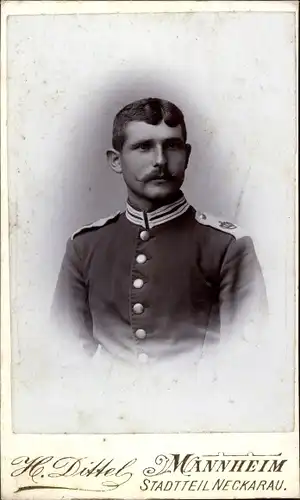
(174, 145)
(143, 146)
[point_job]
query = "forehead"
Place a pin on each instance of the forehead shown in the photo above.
(142, 131)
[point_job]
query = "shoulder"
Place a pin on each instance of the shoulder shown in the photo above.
(220, 225)
(96, 225)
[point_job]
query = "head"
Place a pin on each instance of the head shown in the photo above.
(150, 150)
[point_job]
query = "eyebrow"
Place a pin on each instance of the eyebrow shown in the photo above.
(174, 140)
(149, 142)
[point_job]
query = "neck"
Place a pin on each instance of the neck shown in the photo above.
(147, 205)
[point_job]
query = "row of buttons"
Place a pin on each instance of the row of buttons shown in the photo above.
(138, 283)
(139, 308)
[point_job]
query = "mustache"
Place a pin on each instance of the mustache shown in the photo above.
(159, 174)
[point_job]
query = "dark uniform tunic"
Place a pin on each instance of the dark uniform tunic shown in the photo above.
(153, 285)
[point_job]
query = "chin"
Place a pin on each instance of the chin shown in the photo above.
(161, 191)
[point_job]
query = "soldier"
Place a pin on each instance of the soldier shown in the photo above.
(161, 279)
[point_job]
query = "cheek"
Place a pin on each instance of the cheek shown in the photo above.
(176, 162)
(135, 165)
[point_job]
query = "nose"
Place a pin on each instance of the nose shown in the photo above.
(160, 158)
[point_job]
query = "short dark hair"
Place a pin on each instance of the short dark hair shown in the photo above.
(150, 110)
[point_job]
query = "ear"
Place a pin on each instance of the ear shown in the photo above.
(188, 150)
(114, 160)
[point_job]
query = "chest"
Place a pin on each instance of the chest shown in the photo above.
(162, 265)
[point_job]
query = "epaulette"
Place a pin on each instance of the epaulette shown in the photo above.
(220, 224)
(95, 225)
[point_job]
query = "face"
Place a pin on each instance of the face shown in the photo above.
(153, 160)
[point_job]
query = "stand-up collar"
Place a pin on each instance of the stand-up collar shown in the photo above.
(158, 216)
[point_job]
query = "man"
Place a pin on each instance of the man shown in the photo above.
(161, 279)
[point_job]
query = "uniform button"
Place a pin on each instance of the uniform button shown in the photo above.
(141, 258)
(144, 235)
(138, 308)
(138, 283)
(143, 357)
(140, 334)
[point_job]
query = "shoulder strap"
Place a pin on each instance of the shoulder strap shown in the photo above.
(220, 224)
(95, 225)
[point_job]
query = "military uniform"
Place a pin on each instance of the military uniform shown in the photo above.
(148, 286)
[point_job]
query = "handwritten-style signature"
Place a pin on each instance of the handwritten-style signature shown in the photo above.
(111, 474)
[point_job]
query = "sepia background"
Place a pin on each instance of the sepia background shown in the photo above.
(233, 75)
